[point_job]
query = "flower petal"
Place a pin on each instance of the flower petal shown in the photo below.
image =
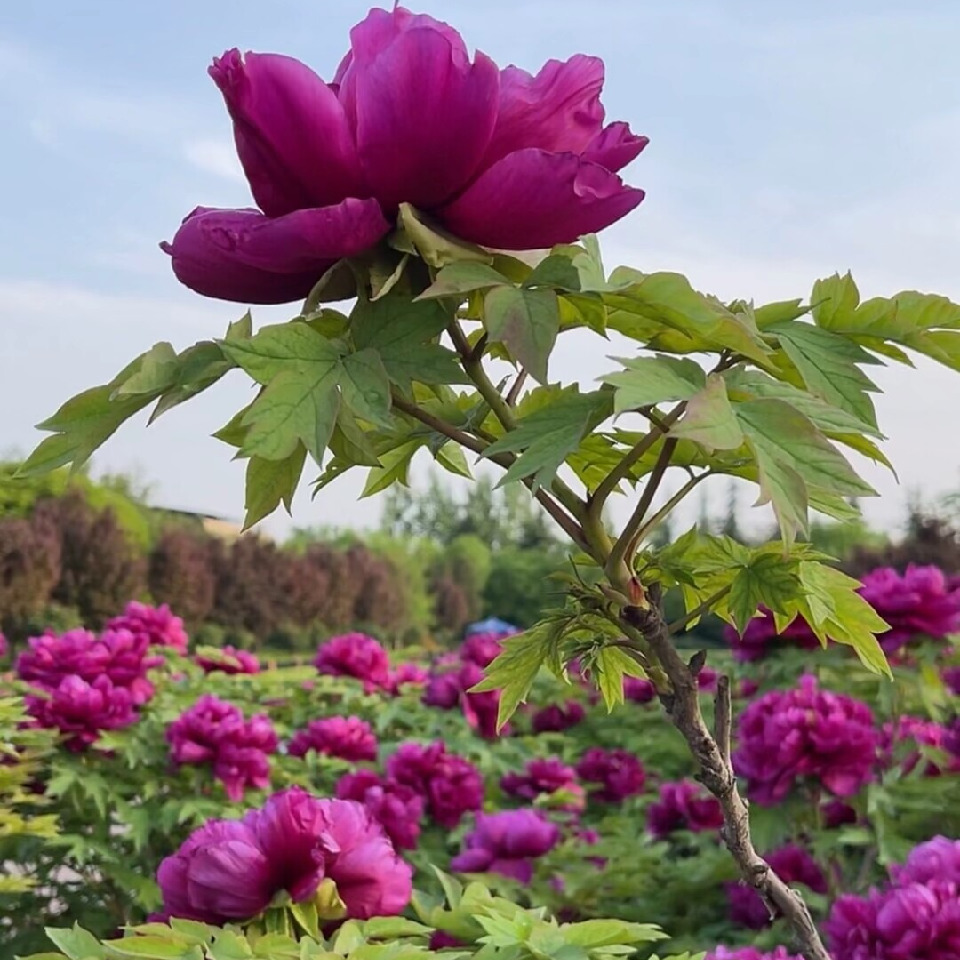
(533, 199)
(243, 256)
(615, 146)
(558, 110)
(423, 116)
(291, 132)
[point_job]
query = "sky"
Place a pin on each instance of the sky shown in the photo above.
(789, 140)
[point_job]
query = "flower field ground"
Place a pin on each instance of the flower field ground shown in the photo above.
(148, 782)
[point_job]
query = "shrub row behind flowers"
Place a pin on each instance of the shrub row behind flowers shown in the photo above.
(215, 771)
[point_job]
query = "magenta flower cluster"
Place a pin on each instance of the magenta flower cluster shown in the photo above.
(613, 775)
(546, 778)
(449, 784)
(750, 953)
(232, 870)
(157, 625)
(920, 602)
(805, 733)
(507, 843)
(761, 637)
(348, 738)
(683, 805)
(558, 717)
(397, 807)
(215, 733)
(916, 917)
(498, 157)
(355, 655)
(452, 677)
(228, 659)
(86, 684)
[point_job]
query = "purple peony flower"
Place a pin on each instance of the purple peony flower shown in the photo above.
(355, 655)
(4, 646)
(157, 624)
(792, 864)
(920, 733)
(683, 805)
(232, 869)
(450, 785)
(836, 813)
(750, 953)
(348, 738)
(558, 717)
(936, 859)
(951, 678)
(480, 709)
(543, 778)
(638, 690)
(618, 774)
(506, 843)
(500, 158)
(707, 680)
(215, 732)
(397, 807)
(918, 921)
(407, 674)
(82, 709)
(443, 690)
(228, 660)
(921, 602)
(481, 648)
(788, 735)
(761, 637)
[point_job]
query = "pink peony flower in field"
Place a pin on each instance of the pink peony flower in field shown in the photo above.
(216, 733)
(638, 690)
(450, 785)
(407, 675)
(750, 953)
(919, 603)
(544, 778)
(397, 807)
(617, 773)
(920, 733)
(355, 655)
(498, 157)
(761, 637)
(4, 646)
(480, 709)
(951, 678)
(683, 805)
(231, 870)
(443, 690)
(507, 843)
(348, 738)
(228, 660)
(481, 648)
(707, 680)
(917, 921)
(836, 813)
(558, 717)
(82, 709)
(936, 859)
(793, 865)
(158, 624)
(789, 735)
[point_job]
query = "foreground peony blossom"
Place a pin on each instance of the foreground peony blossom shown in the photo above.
(397, 807)
(790, 863)
(936, 859)
(545, 778)
(228, 660)
(498, 157)
(921, 602)
(355, 655)
(789, 735)
(215, 732)
(348, 738)
(683, 805)
(158, 624)
(761, 637)
(618, 774)
(914, 922)
(507, 843)
(81, 710)
(450, 785)
(231, 870)
(558, 717)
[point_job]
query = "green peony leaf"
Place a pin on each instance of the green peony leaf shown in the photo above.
(463, 277)
(76, 943)
(270, 483)
(709, 418)
(527, 322)
(555, 271)
(648, 381)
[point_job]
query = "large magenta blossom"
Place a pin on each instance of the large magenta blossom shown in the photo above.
(157, 624)
(82, 709)
(228, 660)
(788, 735)
(936, 859)
(917, 921)
(792, 864)
(616, 774)
(398, 808)
(231, 870)
(761, 637)
(683, 805)
(216, 733)
(450, 785)
(921, 602)
(507, 843)
(348, 738)
(498, 157)
(355, 655)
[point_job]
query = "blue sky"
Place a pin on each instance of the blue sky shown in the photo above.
(788, 140)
